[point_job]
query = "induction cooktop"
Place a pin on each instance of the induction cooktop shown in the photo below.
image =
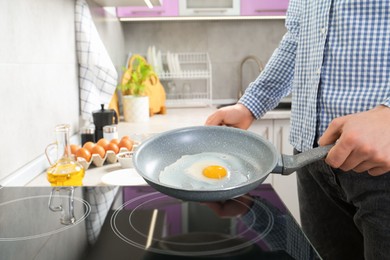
(137, 222)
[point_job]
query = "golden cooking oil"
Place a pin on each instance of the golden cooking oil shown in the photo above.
(66, 172)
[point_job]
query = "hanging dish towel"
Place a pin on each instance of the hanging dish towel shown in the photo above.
(97, 74)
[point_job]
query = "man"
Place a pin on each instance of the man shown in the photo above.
(335, 57)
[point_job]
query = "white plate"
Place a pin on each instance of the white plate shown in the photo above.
(123, 177)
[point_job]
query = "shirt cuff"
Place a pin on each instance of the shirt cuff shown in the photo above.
(386, 102)
(252, 102)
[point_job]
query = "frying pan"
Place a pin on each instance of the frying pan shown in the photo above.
(161, 150)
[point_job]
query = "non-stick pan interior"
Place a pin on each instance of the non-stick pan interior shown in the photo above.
(153, 155)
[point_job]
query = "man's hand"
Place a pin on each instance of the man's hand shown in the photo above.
(362, 141)
(236, 116)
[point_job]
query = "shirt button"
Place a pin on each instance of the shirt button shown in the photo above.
(318, 70)
(323, 30)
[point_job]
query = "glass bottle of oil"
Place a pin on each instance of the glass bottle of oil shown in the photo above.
(66, 171)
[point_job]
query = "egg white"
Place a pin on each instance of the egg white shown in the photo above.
(186, 172)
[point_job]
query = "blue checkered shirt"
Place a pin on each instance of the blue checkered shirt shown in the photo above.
(335, 58)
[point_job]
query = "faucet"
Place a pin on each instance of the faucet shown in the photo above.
(259, 64)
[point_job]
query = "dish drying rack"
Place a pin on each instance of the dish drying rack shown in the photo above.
(186, 78)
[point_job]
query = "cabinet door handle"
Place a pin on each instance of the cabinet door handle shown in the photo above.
(269, 10)
(211, 10)
(147, 12)
(279, 139)
(266, 133)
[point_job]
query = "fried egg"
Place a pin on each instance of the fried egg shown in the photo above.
(205, 171)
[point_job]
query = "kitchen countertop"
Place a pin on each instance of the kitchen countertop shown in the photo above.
(182, 117)
(175, 118)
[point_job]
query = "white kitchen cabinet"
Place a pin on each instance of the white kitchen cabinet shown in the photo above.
(263, 127)
(277, 132)
(209, 8)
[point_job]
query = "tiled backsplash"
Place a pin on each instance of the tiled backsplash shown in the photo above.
(228, 42)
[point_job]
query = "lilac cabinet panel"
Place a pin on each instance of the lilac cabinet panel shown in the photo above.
(263, 7)
(167, 8)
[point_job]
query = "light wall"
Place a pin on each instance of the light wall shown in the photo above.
(39, 85)
(38, 77)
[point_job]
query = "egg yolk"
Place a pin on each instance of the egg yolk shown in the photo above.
(214, 172)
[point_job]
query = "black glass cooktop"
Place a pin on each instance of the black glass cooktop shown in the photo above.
(139, 223)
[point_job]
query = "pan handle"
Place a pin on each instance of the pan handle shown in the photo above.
(288, 164)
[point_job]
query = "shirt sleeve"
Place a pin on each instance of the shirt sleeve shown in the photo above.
(386, 102)
(275, 81)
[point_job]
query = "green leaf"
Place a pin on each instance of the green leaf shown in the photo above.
(141, 73)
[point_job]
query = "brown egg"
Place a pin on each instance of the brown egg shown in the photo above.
(74, 148)
(89, 146)
(112, 147)
(126, 143)
(126, 137)
(115, 141)
(97, 149)
(84, 153)
(103, 142)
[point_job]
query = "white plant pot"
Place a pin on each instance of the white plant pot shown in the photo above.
(135, 109)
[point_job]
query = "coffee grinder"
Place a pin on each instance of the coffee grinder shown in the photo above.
(102, 118)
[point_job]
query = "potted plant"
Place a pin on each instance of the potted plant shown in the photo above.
(134, 84)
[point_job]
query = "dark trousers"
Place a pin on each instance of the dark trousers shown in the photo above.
(345, 215)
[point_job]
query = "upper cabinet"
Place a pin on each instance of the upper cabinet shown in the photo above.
(263, 7)
(199, 9)
(117, 3)
(209, 8)
(166, 8)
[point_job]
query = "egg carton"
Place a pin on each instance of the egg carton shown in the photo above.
(98, 161)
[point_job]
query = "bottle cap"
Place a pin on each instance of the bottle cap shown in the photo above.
(88, 130)
(109, 129)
